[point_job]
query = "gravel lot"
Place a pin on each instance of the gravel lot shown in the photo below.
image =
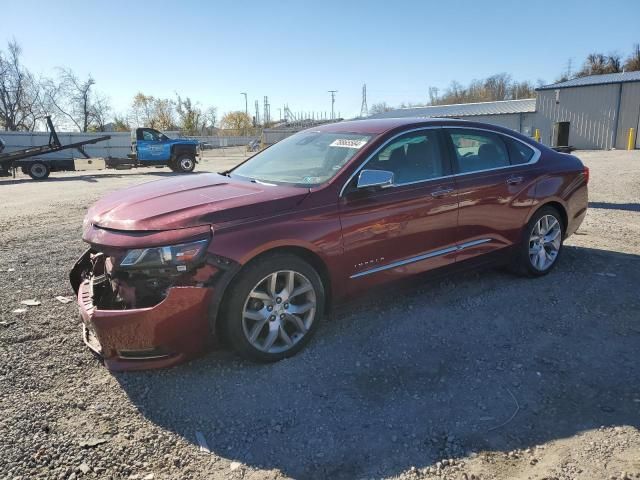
(480, 375)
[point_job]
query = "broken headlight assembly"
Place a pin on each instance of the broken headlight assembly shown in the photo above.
(179, 256)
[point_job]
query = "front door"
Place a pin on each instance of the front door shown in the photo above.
(408, 227)
(152, 145)
(495, 176)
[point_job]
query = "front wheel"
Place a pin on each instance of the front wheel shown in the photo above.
(274, 308)
(541, 244)
(184, 164)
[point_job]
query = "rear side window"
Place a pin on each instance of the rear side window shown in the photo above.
(519, 153)
(478, 150)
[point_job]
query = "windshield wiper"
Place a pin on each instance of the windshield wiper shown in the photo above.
(254, 180)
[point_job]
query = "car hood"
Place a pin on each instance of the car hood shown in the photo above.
(189, 201)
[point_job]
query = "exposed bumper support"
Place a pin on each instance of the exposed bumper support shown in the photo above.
(166, 334)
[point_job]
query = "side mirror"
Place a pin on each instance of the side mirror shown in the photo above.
(375, 178)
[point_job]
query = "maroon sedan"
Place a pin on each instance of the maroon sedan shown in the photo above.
(257, 254)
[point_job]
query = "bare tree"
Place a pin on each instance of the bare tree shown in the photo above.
(614, 63)
(100, 111)
(75, 101)
(497, 86)
(520, 90)
(632, 63)
(20, 93)
(211, 117)
(379, 107)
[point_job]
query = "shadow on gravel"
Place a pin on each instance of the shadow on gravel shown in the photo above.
(91, 178)
(406, 377)
(630, 207)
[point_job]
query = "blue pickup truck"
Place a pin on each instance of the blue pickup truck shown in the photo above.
(149, 147)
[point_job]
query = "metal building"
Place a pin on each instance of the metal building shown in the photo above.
(597, 111)
(517, 115)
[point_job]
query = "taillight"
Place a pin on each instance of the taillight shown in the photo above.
(585, 172)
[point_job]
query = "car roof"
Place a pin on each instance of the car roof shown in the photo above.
(378, 126)
(383, 125)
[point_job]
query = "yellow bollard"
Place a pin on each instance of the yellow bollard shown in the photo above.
(630, 145)
(536, 135)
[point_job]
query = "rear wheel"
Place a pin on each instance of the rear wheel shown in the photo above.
(274, 308)
(184, 164)
(541, 244)
(38, 170)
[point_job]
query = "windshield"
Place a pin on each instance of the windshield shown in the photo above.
(306, 158)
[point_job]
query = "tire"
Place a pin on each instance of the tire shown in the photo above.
(184, 164)
(273, 318)
(38, 170)
(527, 261)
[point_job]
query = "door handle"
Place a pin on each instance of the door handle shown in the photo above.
(441, 192)
(513, 180)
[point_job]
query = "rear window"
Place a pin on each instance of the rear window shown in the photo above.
(519, 153)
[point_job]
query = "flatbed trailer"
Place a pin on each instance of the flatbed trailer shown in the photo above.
(39, 169)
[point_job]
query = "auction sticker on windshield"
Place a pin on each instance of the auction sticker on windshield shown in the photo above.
(348, 143)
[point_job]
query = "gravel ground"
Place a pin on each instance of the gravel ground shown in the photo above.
(480, 375)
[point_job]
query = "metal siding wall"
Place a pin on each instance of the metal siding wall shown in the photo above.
(629, 113)
(591, 111)
(528, 124)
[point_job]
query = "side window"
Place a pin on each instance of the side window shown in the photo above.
(478, 150)
(149, 135)
(519, 153)
(413, 157)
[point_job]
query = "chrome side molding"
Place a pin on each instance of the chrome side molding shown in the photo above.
(425, 256)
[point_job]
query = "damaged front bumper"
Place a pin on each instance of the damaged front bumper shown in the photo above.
(166, 333)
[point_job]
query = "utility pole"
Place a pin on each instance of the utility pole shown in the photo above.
(333, 101)
(257, 113)
(246, 105)
(364, 110)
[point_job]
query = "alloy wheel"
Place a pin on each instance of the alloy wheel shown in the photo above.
(279, 311)
(544, 242)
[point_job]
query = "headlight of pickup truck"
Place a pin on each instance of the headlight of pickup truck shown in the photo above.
(179, 256)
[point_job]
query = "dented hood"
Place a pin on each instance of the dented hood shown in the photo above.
(189, 201)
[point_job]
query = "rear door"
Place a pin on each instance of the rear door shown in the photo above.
(495, 177)
(406, 228)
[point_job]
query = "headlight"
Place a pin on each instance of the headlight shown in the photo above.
(171, 256)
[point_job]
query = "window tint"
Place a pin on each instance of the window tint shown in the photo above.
(476, 150)
(519, 153)
(413, 157)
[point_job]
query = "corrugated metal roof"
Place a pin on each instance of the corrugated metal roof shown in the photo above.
(605, 79)
(526, 105)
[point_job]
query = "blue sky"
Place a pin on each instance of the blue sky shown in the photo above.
(294, 51)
